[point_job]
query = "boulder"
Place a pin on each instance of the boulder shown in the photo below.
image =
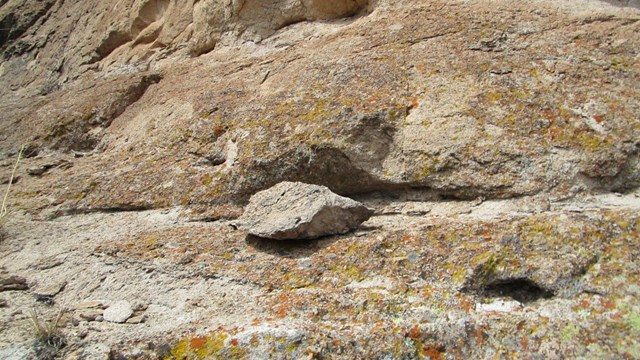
(294, 210)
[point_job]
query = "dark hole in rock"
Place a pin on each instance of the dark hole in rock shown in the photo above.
(45, 299)
(449, 197)
(521, 289)
(289, 248)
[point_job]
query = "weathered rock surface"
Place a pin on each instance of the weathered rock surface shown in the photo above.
(50, 289)
(294, 210)
(498, 109)
(498, 142)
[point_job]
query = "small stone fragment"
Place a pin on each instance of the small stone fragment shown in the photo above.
(90, 314)
(119, 312)
(82, 333)
(44, 168)
(136, 319)
(294, 210)
(90, 304)
(416, 209)
(499, 306)
(50, 290)
(48, 263)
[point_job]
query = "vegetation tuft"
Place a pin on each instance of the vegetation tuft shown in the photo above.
(48, 339)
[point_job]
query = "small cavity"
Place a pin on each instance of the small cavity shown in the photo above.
(521, 289)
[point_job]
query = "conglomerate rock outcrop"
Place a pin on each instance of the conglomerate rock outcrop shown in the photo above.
(457, 108)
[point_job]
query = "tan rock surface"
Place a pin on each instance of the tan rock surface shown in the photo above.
(491, 137)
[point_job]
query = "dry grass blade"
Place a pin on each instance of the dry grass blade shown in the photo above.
(3, 209)
(47, 334)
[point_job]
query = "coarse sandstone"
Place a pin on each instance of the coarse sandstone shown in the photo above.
(542, 100)
(496, 140)
(293, 210)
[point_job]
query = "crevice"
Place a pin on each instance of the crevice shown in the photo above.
(105, 210)
(424, 38)
(206, 219)
(626, 179)
(133, 94)
(290, 22)
(520, 289)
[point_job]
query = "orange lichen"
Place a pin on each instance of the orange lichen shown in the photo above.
(433, 352)
(198, 342)
(415, 332)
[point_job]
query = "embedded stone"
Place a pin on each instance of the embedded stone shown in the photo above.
(295, 210)
(119, 312)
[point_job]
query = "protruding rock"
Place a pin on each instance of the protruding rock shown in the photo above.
(12, 282)
(119, 312)
(294, 210)
(50, 289)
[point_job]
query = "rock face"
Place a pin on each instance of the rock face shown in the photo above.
(497, 140)
(294, 210)
(503, 106)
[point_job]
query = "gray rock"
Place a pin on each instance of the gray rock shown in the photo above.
(119, 312)
(294, 210)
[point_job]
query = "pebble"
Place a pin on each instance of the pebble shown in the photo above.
(119, 312)
(499, 306)
(90, 304)
(48, 263)
(90, 315)
(136, 319)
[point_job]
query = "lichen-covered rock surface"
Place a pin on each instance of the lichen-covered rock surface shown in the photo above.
(497, 141)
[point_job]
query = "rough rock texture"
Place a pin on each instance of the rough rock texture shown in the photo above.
(512, 100)
(497, 141)
(294, 210)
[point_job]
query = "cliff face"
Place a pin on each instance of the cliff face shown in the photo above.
(454, 99)
(56, 42)
(196, 105)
